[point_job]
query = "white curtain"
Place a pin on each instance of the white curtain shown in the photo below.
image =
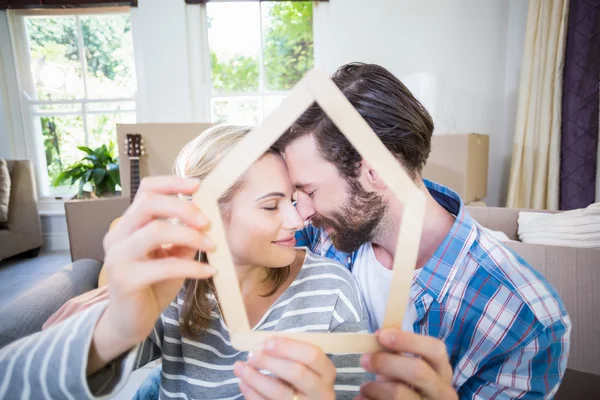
(534, 174)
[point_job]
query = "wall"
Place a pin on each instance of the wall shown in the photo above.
(161, 56)
(461, 59)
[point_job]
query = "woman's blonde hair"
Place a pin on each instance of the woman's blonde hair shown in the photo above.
(197, 160)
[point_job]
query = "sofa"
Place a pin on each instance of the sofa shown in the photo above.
(575, 273)
(23, 231)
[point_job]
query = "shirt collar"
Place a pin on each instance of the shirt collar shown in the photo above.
(441, 269)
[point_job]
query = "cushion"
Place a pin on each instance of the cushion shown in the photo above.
(575, 228)
(498, 235)
(4, 191)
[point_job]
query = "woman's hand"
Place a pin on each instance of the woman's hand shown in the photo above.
(302, 371)
(147, 260)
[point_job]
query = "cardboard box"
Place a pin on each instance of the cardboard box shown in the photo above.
(460, 162)
(87, 223)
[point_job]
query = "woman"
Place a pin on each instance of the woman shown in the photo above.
(283, 288)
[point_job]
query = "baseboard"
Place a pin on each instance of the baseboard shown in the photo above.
(54, 232)
(56, 241)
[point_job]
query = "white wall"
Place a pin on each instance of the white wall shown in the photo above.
(460, 58)
(160, 45)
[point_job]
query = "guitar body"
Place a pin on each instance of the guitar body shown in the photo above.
(135, 149)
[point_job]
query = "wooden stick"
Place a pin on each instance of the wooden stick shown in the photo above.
(330, 343)
(405, 259)
(315, 86)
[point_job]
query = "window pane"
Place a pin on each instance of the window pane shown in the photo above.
(234, 42)
(55, 62)
(288, 37)
(103, 128)
(241, 111)
(62, 135)
(110, 69)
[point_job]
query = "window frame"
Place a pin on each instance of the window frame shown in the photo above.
(262, 92)
(51, 200)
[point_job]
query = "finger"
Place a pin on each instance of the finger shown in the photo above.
(169, 184)
(431, 349)
(145, 273)
(301, 352)
(298, 375)
(266, 386)
(149, 206)
(387, 391)
(249, 393)
(154, 235)
(413, 371)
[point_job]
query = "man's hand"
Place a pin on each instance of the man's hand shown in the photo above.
(402, 376)
(302, 371)
(76, 305)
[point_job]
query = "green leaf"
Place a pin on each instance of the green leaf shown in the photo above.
(98, 174)
(86, 149)
(80, 192)
(94, 159)
(113, 173)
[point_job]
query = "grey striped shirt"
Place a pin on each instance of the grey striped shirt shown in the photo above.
(51, 364)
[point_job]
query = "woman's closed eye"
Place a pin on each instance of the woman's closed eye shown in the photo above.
(270, 207)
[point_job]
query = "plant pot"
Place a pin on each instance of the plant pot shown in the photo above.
(88, 220)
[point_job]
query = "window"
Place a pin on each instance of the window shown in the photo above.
(78, 80)
(258, 51)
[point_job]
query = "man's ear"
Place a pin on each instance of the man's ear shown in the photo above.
(374, 179)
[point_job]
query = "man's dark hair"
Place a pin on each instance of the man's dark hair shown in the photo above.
(395, 115)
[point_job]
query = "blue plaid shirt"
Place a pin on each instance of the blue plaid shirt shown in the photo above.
(505, 327)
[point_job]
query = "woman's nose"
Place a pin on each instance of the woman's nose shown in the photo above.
(292, 220)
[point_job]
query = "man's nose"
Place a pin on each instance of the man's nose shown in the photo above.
(304, 206)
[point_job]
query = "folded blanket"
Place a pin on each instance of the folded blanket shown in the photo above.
(575, 228)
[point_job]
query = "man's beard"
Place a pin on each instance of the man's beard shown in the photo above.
(357, 221)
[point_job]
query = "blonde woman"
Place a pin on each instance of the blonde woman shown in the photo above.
(162, 304)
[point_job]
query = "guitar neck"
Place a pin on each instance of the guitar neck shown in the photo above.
(134, 179)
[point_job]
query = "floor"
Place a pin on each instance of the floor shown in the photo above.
(19, 274)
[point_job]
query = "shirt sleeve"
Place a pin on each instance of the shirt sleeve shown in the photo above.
(52, 363)
(307, 237)
(531, 371)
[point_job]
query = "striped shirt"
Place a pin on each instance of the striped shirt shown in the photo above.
(51, 364)
(506, 330)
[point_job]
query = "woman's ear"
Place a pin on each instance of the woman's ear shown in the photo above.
(373, 178)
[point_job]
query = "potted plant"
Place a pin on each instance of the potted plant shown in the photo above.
(98, 180)
(99, 168)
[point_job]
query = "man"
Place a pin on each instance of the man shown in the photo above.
(503, 326)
